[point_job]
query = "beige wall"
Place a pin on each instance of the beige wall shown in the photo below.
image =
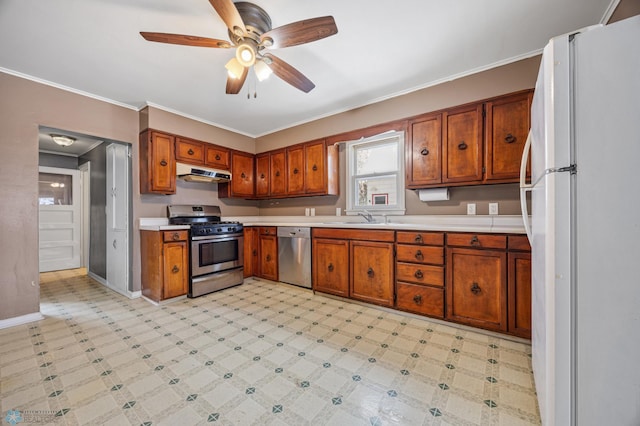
(505, 79)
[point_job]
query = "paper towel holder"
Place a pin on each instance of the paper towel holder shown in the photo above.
(433, 194)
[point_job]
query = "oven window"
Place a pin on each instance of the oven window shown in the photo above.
(218, 252)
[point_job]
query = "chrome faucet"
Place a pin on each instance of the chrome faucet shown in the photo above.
(367, 216)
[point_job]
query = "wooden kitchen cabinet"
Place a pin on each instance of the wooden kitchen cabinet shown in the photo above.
(295, 170)
(189, 151)
(314, 168)
(331, 266)
(507, 124)
(216, 157)
(462, 144)
(420, 272)
(278, 173)
(519, 276)
(268, 253)
(164, 264)
(157, 163)
(372, 272)
(263, 181)
(242, 177)
(424, 152)
(250, 251)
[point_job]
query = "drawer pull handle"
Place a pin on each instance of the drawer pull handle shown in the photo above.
(424, 151)
(475, 288)
(243, 176)
(510, 138)
(277, 172)
(417, 299)
(261, 175)
(115, 245)
(474, 241)
(419, 255)
(314, 168)
(190, 152)
(218, 157)
(254, 252)
(175, 269)
(330, 267)
(163, 163)
(370, 272)
(462, 146)
(268, 258)
(418, 238)
(295, 171)
(175, 236)
(418, 274)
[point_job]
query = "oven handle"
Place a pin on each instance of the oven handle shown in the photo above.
(225, 237)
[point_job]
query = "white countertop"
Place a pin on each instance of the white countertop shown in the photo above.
(448, 223)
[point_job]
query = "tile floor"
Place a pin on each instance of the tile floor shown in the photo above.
(260, 353)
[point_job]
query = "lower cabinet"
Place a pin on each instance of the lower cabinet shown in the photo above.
(372, 272)
(165, 264)
(331, 266)
(268, 253)
(250, 251)
(519, 276)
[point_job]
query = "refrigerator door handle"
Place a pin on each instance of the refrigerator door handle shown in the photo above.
(525, 187)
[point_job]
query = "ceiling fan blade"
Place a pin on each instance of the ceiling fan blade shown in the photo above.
(300, 32)
(186, 40)
(289, 73)
(235, 84)
(230, 15)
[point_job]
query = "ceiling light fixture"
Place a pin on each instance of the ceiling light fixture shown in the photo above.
(262, 70)
(63, 140)
(234, 68)
(246, 53)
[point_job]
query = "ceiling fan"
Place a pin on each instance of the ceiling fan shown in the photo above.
(251, 34)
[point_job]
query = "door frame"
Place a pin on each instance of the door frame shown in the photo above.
(85, 236)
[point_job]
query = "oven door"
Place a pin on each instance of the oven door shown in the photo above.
(216, 253)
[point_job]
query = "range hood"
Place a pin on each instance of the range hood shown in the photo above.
(190, 173)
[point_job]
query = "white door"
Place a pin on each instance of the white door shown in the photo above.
(85, 182)
(118, 217)
(60, 198)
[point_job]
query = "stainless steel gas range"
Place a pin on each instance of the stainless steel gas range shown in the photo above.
(217, 248)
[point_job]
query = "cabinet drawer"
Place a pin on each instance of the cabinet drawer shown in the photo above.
(420, 254)
(180, 235)
(428, 238)
(217, 157)
(355, 234)
(267, 230)
(420, 299)
(189, 151)
(519, 242)
(477, 241)
(420, 274)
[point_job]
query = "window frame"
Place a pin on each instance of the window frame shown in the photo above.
(380, 139)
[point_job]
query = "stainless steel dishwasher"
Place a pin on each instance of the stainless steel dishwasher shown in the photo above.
(294, 255)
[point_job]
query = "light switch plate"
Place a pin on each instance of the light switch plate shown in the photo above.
(471, 208)
(493, 208)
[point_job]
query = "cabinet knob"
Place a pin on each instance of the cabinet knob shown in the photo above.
(163, 163)
(510, 138)
(277, 172)
(474, 241)
(295, 171)
(115, 245)
(175, 269)
(330, 267)
(417, 299)
(418, 238)
(314, 168)
(370, 272)
(475, 288)
(254, 252)
(424, 151)
(217, 157)
(418, 274)
(243, 175)
(462, 146)
(175, 236)
(268, 258)
(261, 175)
(419, 255)
(190, 152)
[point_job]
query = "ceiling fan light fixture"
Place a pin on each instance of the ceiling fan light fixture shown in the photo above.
(246, 54)
(234, 68)
(63, 140)
(262, 70)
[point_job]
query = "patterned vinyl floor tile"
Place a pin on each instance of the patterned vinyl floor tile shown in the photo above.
(259, 353)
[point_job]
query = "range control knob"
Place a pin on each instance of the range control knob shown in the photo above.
(232, 229)
(219, 229)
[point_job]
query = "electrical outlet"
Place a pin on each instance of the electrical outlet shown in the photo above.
(493, 208)
(471, 208)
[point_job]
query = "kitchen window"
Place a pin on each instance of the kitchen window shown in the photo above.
(375, 174)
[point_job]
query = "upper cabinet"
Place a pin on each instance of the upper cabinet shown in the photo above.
(263, 184)
(157, 163)
(216, 157)
(469, 145)
(189, 151)
(295, 170)
(242, 177)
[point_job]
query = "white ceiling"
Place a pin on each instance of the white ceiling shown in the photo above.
(383, 48)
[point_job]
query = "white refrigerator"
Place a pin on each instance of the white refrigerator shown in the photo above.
(585, 227)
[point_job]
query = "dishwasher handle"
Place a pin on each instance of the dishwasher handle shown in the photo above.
(293, 232)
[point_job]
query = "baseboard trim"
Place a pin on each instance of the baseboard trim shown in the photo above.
(23, 319)
(129, 294)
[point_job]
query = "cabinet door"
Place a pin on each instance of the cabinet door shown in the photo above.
(278, 173)
(262, 175)
(176, 269)
(188, 151)
(331, 266)
(295, 170)
(476, 288)
(216, 157)
(269, 257)
(520, 294)
(158, 165)
(423, 152)
(314, 163)
(372, 272)
(462, 144)
(507, 126)
(242, 181)
(250, 252)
